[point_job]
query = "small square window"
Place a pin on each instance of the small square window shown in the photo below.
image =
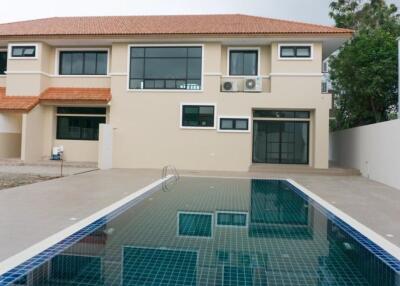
(198, 116)
(295, 51)
(23, 51)
(234, 124)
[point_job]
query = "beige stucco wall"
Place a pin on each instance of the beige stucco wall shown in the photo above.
(3, 81)
(146, 123)
(151, 137)
(10, 135)
(32, 135)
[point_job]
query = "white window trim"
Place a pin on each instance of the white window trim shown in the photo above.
(198, 104)
(166, 45)
(234, 117)
(195, 213)
(296, 45)
(228, 51)
(10, 47)
(57, 61)
(231, 212)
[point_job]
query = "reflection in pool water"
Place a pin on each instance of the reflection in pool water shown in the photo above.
(211, 231)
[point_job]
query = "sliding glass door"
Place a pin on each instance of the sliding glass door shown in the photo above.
(280, 142)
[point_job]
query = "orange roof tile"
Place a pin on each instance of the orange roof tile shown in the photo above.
(231, 24)
(17, 103)
(63, 94)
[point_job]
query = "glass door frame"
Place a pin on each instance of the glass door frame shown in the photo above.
(283, 120)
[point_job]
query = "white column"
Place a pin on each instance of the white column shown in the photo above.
(105, 146)
(398, 87)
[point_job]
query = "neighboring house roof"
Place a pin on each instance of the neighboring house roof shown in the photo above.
(227, 24)
(17, 103)
(60, 95)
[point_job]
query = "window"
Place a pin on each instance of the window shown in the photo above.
(83, 63)
(234, 124)
(238, 219)
(198, 116)
(165, 68)
(243, 62)
(23, 51)
(79, 123)
(295, 51)
(281, 114)
(195, 224)
(3, 62)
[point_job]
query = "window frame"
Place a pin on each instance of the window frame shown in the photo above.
(130, 46)
(79, 115)
(211, 214)
(197, 104)
(58, 61)
(228, 60)
(217, 213)
(5, 71)
(248, 130)
(299, 45)
(11, 46)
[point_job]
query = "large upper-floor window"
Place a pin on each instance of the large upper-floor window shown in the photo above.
(23, 51)
(165, 68)
(243, 62)
(79, 123)
(3, 62)
(83, 63)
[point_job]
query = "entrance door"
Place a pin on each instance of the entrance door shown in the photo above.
(280, 142)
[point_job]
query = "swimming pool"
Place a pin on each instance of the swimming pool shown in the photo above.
(214, 231)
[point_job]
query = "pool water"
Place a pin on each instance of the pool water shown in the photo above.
(215, 231)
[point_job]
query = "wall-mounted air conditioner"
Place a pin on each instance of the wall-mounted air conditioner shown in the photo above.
(229, 85)
(253, 84)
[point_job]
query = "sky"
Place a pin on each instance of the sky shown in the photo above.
(312, 11)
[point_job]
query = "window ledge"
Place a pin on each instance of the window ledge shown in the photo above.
(166, 90)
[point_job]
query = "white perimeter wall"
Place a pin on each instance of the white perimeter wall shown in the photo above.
(373, 149)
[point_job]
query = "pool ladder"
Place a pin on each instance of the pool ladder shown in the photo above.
(169, 170)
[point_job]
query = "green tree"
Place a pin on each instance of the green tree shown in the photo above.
(364, 72)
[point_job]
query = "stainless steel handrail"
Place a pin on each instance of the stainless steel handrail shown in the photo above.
(175, 175)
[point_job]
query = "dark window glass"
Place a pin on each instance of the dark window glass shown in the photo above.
(81, 110)
(83, 63)
(3, 62)
(234, 124)
(232, 219)
(243, 62)
(165, 68)
(198, 116)
(195, 224)
(281, 114)
(23, 51)
(78, 127)
(295, 51)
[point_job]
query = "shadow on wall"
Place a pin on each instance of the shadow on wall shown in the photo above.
(373, 149)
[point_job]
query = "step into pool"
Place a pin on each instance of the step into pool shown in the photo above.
(214, 231)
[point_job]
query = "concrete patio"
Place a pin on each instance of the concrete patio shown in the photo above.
(31, 213)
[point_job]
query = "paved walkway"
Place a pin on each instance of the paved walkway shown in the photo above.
(30, 213)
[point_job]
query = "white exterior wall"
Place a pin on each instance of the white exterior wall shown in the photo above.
(373, 149)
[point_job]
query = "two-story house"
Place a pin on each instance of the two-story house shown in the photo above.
(216, 92)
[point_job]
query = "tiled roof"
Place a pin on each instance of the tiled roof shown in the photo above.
(230, 24)
(61, 95)
(17, 103)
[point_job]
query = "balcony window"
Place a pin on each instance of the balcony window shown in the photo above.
(83, 63)
(28, 51)
(243, 62)
(165, 68)
(3, 62)
(200, 116)
(288, 52)
(79, 123)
